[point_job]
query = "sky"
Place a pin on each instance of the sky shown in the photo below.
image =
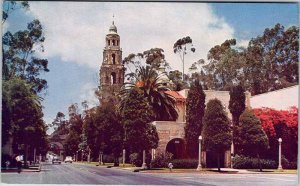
(75, 37)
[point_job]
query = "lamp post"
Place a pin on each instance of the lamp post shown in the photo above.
(76, 156)
(144, 166)
(279, 154)
(199, 165)
(124, 151)
(81, 155)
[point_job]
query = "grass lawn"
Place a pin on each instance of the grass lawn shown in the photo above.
(105, 165)
(275, 171)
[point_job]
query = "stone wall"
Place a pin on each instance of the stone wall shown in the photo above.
(168, 130)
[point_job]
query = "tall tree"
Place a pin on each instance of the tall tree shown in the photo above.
(237, 103)
(216, 131)
(73, 139)
(181, 46)
(251, 138)
(137, 113)
(195, 108)
(177, 83)
(110, 131)
(19, 59)
(24, 119)
(273, 59)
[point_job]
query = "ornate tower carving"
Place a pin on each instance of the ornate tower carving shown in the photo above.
(112, 70)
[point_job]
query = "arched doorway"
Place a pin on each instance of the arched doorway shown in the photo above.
(177, 148)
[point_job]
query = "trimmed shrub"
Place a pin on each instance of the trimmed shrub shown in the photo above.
(108, 158)
(241, 162)
(161, 160)
(286, 164)
(185, 163)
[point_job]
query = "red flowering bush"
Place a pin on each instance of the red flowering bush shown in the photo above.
(280, 124)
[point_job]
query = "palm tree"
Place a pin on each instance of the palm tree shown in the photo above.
(150, 82)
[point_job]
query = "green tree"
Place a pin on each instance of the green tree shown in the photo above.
(149, 81)
(24, 120)
(110, 131)
(137, 114)
(181, 46)
(216, 131)
(237, 103)
(75, 123)
(251, 138)
(19, 59)
(273, 59)
(176, 77)
(195, 108)
(225, 67)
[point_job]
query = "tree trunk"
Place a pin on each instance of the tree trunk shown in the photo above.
(26, 156)
(116, 160)
(259, 163)
(219, 169)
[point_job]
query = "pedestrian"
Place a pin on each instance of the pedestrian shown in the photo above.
(19, 163)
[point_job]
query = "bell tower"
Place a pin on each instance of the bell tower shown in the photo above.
(112, 70)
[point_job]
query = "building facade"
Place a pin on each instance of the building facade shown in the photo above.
(171, 133)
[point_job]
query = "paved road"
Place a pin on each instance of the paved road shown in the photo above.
(87, 174)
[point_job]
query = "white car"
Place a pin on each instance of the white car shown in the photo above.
(68, 159)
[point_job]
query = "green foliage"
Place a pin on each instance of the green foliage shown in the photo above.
(19, 59)
(251, 139)
(195, 109)
(73, 139)
(136, 114)
(161, 160)
(185, 163)
(108, 131)
(272, 59)
(216, 129)
(270, 62)
(176, 78)
(181, 46)
(150, 82)
(23, 121)
(136, 159)
(237, 103)
(241, 162)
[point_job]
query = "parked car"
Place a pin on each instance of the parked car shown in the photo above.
(68, 159)
(56, 160)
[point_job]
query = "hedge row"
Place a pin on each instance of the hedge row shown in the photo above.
(241, 162)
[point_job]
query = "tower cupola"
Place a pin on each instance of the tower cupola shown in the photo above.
(113, 29)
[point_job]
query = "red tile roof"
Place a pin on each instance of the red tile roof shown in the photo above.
(176, 95)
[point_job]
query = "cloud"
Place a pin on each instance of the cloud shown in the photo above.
(87, 93)
(75, 31)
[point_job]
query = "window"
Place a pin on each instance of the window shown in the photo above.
(113, 78)
(117, 42)
(114, 43)
(113, 58)
(108, 42)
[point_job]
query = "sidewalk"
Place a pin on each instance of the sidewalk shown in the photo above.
(30, 169)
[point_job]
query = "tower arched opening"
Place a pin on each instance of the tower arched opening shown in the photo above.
(113, 58)
(113, 78)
